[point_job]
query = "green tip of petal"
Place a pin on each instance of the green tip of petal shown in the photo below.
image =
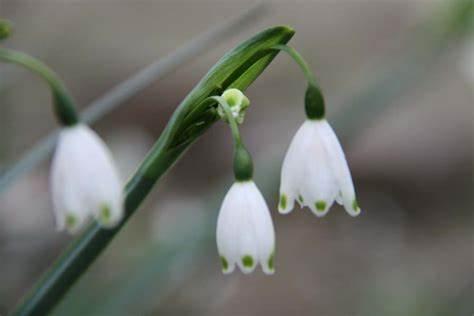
(300, 198)
(271, 261)
(355, 206)
(5, 29)
(105, 214)
(71, 221)
(320, 206)
(247, 261)
(283, 200)
(224, 263)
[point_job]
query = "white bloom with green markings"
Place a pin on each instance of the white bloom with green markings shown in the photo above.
(315, 172)
(84, 181)
(245, 233)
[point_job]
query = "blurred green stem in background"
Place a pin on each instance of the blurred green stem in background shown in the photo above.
(237, 69)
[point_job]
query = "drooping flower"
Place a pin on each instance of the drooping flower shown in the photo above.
(245, 234)
(315, 171)
(84, 181)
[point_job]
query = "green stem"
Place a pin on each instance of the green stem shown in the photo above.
(243, 164)
(64, 107)
(237, 69)
(293, 53)
(314, 99)
(230, 118)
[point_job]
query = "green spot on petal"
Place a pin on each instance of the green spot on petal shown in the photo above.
(71, 221)
(271, 263)
(320, 205)
(224, 263)
(283, 200)
(355, 205)
(247, 261)
(300, 198)
(105, 214)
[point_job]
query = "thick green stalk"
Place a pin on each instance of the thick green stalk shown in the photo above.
(237, 69)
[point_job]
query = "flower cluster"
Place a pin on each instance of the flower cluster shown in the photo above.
(314, 173)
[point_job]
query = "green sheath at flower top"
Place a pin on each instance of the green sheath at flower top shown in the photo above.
(237, 69)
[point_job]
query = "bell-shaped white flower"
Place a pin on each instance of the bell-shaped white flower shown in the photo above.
(315, 171)
(245, 233)
(84, 181)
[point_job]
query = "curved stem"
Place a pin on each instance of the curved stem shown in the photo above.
(314, 99)
(63, 103)
(299, 60)
(232, 122)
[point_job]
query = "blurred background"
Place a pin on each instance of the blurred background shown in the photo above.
(398, 77)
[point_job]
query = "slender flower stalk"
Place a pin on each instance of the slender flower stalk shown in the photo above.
(315, 172)
(245, 233)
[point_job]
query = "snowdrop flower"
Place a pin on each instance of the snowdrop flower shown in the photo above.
(245, 233)
(315, 171)
(84, 181)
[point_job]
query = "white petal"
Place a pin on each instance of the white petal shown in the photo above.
(339, 198)
(263, 225)
(292, 171)
(84, 178)
(228, 223)
(319, 187)
(339, 166)
(245, 232)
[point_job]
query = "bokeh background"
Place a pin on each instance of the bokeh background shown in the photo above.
(398, 78)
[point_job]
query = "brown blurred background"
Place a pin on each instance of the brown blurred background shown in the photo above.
(399, 95)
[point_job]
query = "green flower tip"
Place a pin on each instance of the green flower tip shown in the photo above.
(300, 198)
(283, 200)
(271, 261)
(314, 103)
(224, 263)
(5, 29)
(247, 261)
(105, 215)
(71, 221)
(320, 206)
(355, 206)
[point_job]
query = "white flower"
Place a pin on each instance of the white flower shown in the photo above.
(315, 172)
(84, 181)
(245, 233)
